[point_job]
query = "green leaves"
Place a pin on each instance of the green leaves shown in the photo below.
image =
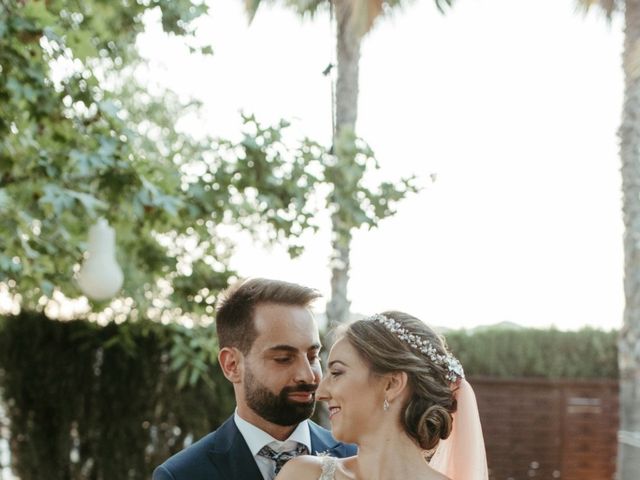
(58, 200)
(114, 387)
(527, 352)
(39, 13)
(193, 353)
(68, 153)
(5, 201)
(356, 201)
(3, 27)
(77, 145)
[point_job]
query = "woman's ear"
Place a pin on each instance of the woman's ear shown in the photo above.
(396, 385)
(231, 361)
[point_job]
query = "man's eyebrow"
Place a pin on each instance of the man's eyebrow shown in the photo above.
(333, 362)
(292, 349)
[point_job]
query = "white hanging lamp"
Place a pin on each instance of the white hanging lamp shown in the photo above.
(101, 277)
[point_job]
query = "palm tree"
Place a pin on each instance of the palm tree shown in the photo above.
(629, 341)
(354, 18)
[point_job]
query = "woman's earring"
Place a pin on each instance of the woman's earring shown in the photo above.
(385, 405)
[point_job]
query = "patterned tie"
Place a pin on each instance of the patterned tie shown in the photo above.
(282, 457)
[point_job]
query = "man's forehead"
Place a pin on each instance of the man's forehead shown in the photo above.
(269, 317)
(285, 327)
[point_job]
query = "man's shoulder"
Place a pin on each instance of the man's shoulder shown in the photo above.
(188, 463)
(332, 446)
(193, 462)
(320, 431)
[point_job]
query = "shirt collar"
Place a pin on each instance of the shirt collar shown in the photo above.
(256, 438)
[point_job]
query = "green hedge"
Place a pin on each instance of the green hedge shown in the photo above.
(92, 402)
(497, 352)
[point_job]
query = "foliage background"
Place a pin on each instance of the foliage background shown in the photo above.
(81, 136)
(530, 352)
(82, 405)
(94, 402)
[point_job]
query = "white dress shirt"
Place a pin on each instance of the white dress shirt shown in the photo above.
(256, 439)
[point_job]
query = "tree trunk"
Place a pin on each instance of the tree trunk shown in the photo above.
(348, 53)
(629, 341)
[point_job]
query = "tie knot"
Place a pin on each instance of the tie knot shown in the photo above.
(280, 458)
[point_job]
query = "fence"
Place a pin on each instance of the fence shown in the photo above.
(549, 429)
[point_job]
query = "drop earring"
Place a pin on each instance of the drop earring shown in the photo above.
(385, 405)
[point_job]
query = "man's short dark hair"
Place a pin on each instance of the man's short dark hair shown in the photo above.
(234, 319)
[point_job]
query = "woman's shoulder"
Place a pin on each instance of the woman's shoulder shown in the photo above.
(301, 468)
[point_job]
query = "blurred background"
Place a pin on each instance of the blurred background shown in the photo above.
(152, 152)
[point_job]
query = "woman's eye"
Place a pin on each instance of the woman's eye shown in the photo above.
(336, 373)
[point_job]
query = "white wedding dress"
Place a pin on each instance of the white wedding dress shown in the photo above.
(329, 465)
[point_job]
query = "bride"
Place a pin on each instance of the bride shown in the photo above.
(393, 389)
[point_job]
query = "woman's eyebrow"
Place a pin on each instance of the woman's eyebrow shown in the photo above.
(333, 362)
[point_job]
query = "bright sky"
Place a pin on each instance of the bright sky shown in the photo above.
(513, 104)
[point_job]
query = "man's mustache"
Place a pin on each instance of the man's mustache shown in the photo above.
(304, 388)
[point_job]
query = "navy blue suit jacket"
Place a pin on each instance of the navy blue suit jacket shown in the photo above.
(224, 454)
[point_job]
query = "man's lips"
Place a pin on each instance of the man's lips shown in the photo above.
(302, 396)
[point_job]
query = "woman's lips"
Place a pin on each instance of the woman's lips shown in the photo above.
(333, 411)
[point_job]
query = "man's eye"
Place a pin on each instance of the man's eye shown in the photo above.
(282, 359)
(314, 358)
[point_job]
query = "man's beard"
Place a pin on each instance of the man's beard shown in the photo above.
(278, 409)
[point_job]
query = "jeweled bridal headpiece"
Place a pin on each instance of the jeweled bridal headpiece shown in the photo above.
(448, 361)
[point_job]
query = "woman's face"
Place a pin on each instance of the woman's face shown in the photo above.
(354, 396)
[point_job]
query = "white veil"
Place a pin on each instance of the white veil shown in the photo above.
(462, 455)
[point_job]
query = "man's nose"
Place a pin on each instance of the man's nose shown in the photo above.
(305, 373)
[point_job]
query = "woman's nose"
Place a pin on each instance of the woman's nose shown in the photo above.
(322, 393)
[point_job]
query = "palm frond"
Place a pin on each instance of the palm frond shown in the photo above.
(304, 7)
(607, 6)
(442, 4)
(251, 6)
(364, 13)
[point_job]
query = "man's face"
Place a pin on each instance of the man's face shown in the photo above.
(282, 369)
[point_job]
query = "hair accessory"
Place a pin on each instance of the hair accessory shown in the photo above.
(385, 405)
(451, 363)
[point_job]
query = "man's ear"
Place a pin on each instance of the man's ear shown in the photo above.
(231, 361)
(396, 385)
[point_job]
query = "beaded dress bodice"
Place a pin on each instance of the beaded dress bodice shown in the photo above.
(328, 468)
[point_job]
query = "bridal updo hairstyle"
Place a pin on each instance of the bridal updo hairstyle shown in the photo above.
(427, 417)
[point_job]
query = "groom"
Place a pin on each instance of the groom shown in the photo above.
(269, 351)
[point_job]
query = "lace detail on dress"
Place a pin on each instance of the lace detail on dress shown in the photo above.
(328, 467)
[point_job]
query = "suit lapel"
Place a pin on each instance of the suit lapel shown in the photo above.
(231, 456)
(323, 442)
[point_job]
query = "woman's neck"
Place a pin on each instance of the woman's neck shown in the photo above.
(390, 454)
